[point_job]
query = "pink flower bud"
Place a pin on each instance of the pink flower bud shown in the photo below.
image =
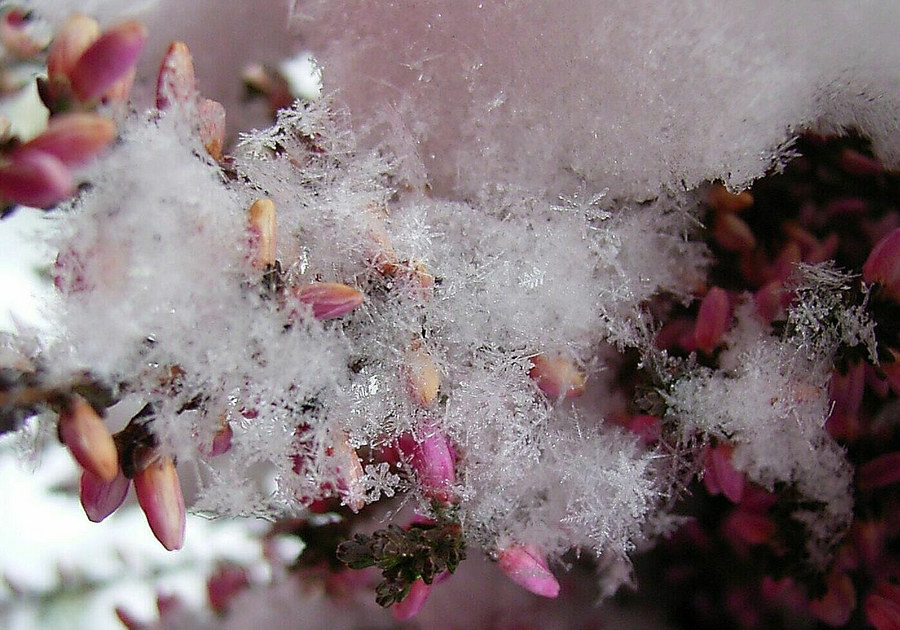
(557, 377)
(413, 602)
(329, 300)
(712, 319)
(883, 265)
(722, 200)
(176, 83)
(101, 498)
(349, 470)
(212, 127)
(748, 527)
(73, 38)
(856, 163)
(263, 233)
(36, 179)
(879, 472)
(433, 461)
(839, 601)
(221, 442)
(111, 58)
(882, 606)
(85, 434)
(159, 495)
(224, 584)
(721, 476)
(17, 36)
(732, 233)
(73, 139)
(527, 567)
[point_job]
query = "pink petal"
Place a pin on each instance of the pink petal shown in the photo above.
(224, 584)
(721, 476)
(36, 179)
(883, 265)
(712, 319)
(879, 472)
(433, 461)
(330, 300)
(73, 38)
(527, 567)
(74, 139)
(111, 58)
(101, 498)
(159, 495)
(413, 602)
(883, 607)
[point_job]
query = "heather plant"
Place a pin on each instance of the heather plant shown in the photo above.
(449, 308)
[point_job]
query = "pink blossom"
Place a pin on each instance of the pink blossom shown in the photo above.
(329, 300)
(159, 495)
(712, 319)
(101, 498)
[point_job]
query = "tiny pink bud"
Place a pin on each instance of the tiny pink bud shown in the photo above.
(732, 233)
(159, 495)
(712, 319)
(883, 265)
(101, 498)
(349, 471)
(557, 376)
(329, 300)
(212, 127)
(176, 82)
(848, 207)
(646, 427)
(526, 566)
(73, 38)
(263, 231)
(433, 461)
(221, 442)
(413, 602)
(839, 601)
(769, 301)
(879, 472)
(111, 58)
(85, 434)
(36, 179)
(73, 139)
(882, 606)
(721, 476)
(16, 35)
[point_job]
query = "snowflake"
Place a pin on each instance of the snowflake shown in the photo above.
(379, 480)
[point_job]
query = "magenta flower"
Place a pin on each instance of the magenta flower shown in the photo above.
(432, 459)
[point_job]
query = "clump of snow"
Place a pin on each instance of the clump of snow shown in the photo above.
(641, 97)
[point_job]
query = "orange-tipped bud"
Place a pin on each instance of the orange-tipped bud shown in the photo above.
(557, 376)
(159, 495)
(263, 233)
(422, 377)
(176, 83)
(85, 434)
(73, 139)
(329, 300)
